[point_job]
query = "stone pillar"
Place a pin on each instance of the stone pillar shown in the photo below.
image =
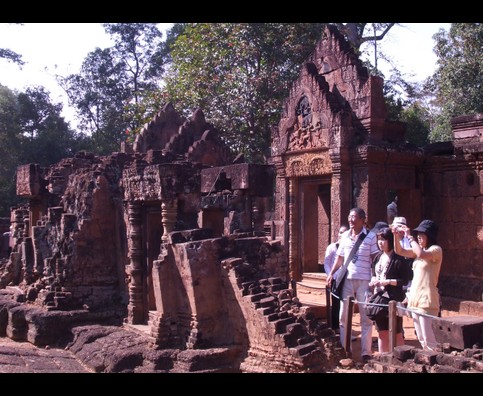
(341, 189)
(169, 209)
(258, 214)
(164, 322)
(16, 232)
(280, 209)
(37, 233)
(246, 214)
(135, 268)
(293, 256)
(34, 214)
(280, 215)
(28, 260)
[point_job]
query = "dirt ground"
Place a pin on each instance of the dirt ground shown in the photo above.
(410, 337)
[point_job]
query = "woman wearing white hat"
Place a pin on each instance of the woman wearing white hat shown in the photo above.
(398, 222)
(423, 297)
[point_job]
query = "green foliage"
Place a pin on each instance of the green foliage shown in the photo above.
(98, 93)
(31, 131)
(405, 103)
(46, 136)
(458, 80)
(239, 74)
(109, 91)
(418, 121)
(10, 146)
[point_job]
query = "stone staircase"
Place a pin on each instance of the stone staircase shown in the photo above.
(290, 337)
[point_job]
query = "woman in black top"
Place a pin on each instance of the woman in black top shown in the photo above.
(390, 272)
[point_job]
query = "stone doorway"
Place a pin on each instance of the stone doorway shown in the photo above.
(315, 227)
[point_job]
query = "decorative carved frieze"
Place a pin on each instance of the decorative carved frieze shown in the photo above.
(309, 164)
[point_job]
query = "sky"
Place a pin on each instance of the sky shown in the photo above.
(51, 49)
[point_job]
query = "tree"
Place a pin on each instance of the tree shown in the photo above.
(457, 83)
(10, 147)
(405, 101)
(109, 90)
(360, 33)
(46, 136)
(31, 131)
(239, 74)
(98, 93)
(11, 56)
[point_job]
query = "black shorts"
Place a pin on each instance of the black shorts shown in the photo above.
(383, 324)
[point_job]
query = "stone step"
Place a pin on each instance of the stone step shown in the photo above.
(314, 276)
(311, 293)
(312, 288)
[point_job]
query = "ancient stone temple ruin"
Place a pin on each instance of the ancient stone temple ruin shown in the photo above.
(189, 251)
(334, 149)
(166, 238)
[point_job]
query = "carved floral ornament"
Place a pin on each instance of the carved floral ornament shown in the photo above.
(309, 165)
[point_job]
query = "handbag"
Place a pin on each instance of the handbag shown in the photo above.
(337, 284)
(380, 309)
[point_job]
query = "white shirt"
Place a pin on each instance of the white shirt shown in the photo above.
(329, 260)
(360, 265)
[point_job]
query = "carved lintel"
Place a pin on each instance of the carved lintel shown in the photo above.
(309, 164)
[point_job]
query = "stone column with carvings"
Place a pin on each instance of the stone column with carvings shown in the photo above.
(280, 215)
(169, 210)
(293, 257)
(135, 268)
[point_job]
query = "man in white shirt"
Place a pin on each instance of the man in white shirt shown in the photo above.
(356, 283)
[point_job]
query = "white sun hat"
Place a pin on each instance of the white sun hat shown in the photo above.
(399, 221)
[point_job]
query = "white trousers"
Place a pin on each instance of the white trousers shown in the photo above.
(424, 331)
(356, 288)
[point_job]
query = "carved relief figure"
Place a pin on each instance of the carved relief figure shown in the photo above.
(304, 112)
(305, 134)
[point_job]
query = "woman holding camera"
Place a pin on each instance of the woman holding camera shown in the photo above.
(423, 296)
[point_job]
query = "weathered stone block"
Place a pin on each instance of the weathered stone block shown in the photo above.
(425, 357)
(404, 352)
(443, 369)
(459, 331)
(28, 180)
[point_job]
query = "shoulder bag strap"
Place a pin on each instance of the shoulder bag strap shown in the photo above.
(353, 251)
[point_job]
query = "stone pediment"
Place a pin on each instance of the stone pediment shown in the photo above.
(180, 139)
(333, 103)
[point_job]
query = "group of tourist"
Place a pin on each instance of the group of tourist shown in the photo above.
(389, 259)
